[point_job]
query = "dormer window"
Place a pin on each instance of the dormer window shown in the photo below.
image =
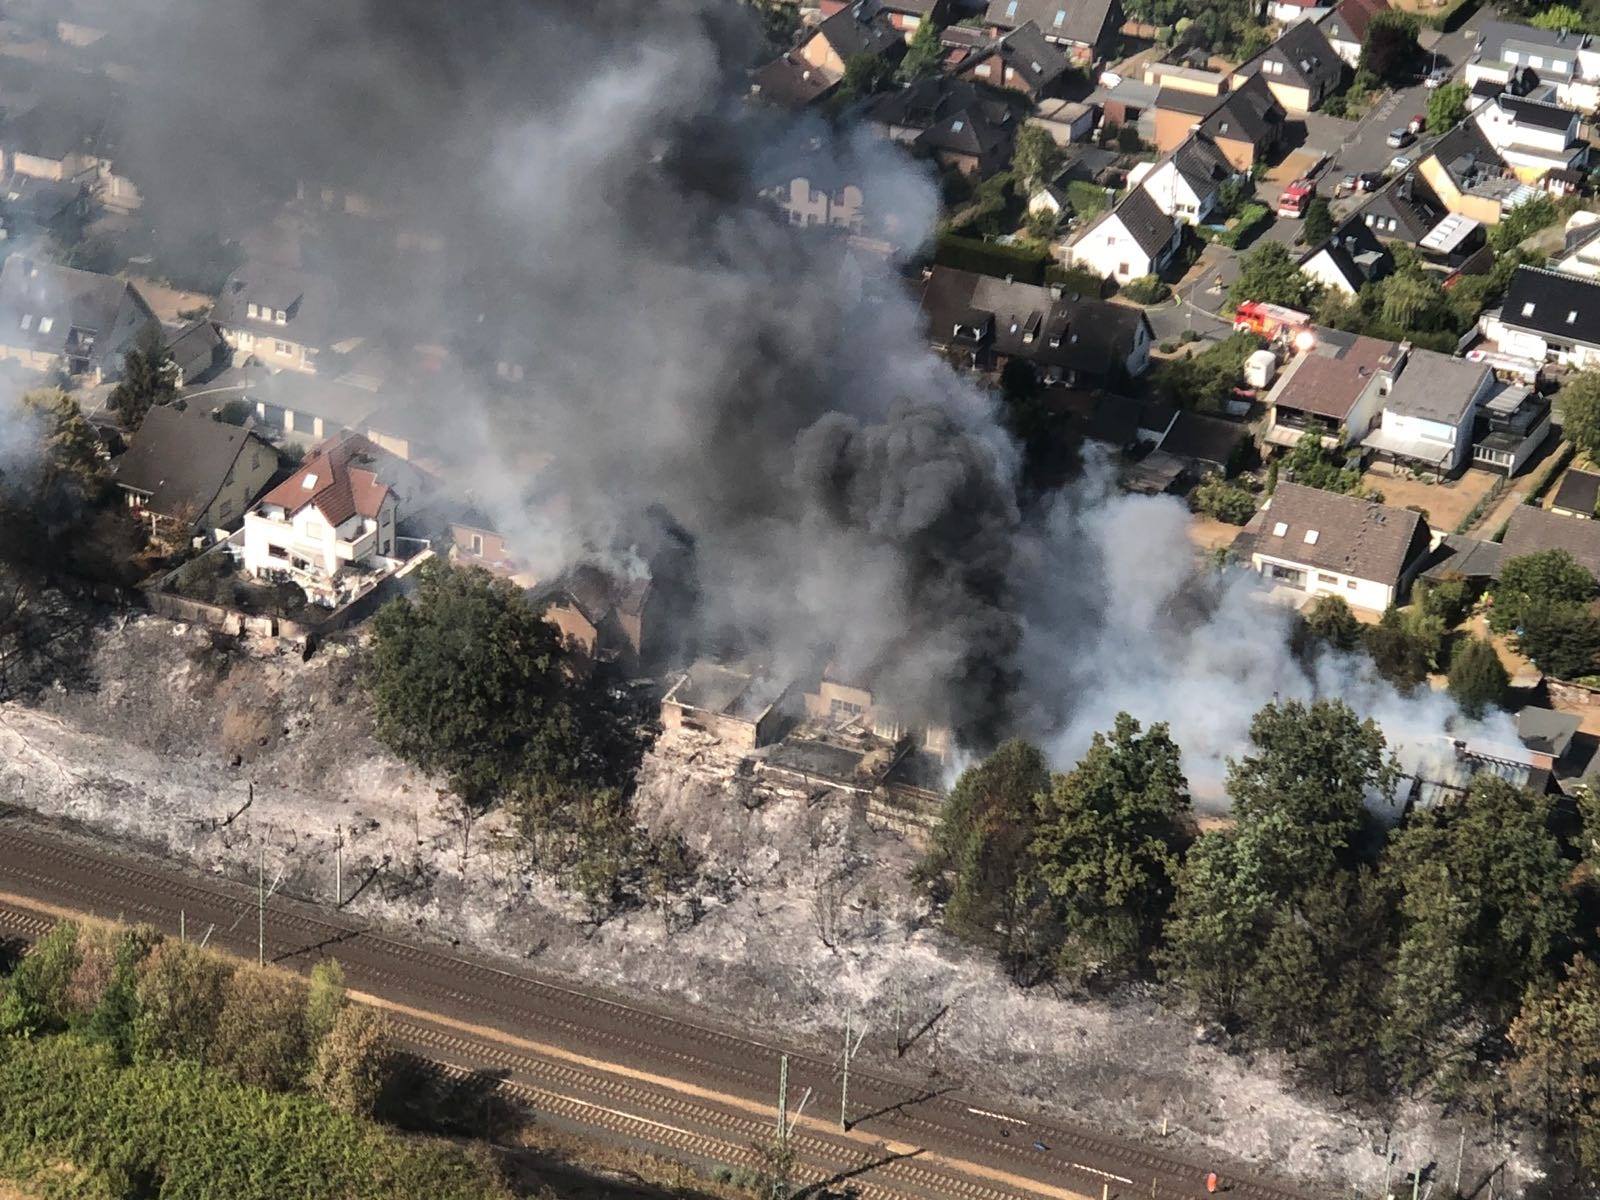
(281, 317)
(252, 309)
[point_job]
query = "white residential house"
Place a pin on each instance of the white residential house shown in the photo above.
(1580, 252)
(328, 524)
(1334, 390)
(1547, 317)
(1429, 412)
(1186, 185)
(1318, 543)
(1534, 137)
(1511, 55)
(1132, 240)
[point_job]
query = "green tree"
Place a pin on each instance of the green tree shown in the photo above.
(1313, 464)
(1399, 654)
(1556, 1070)
(1318, 223)
(1543, 578)
(325, 999)
(149, 378)
(57, 465)
(468, 682)
(113, 1018)
(1390, 49)
(1450, 600)
(37, 993)
(1413, 300)
(1560, 17)
(1485, 876)
(1330, 621)
(1109, 840)
(864, 75)
(1204, 381)
(352, 1061)
(1036, 157)
(1478, 679)
(1447, 107)
(923, 54)
(1270, 274)
(261, 1030)
(1522, 221)
(1562, 640)
(180, 994)
(1219, 902)
(980, 861)
(1223, 501)
(1300, 795)
(1580, 412)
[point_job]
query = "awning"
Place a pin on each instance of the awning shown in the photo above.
(1423, 450)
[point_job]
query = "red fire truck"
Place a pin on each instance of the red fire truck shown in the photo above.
(1271, 321)
(1296, 198)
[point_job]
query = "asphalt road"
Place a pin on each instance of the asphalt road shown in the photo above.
(619, 1069)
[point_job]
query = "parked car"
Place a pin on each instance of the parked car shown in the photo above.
(1437, 77)
(1399, 139)
(1417, 124)
(1348, 186)
(1398, 163)
(1369, 181)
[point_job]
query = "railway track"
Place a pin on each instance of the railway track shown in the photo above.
(948, 1144)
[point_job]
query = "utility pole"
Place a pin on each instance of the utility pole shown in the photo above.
(261, 905)
(844, 1087)
(1461, 1152)
(338, 866)
(182, 931)
(783, 1099)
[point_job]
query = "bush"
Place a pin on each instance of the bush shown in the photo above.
(1147, 289)
(1251, 217)
(1088, 200)
(1331, 621)
(1203, 381)
(1478, 679)
(1075, 281)
(1560, 638)
(1449, 600)
(1524, 220)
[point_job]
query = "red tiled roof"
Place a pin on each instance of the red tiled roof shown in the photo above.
(328, 480)
(1358, 14)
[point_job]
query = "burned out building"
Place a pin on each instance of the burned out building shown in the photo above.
(743, 707)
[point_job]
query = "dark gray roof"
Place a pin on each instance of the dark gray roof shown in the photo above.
(1209, 441)
(1025, 320)
(1306, 55)
(1250, 113)
(1498, 36)
(308, 300)
(1436, 387)
(1352, 536)
(53, 309)
(180, 460)
(196, 348)
(1467, 155)
(791, 82)
(1466, 557)
(1201, 164)
(1026, 52)
(1150, 228)
(1173, 99)
(1356, 253)
(1579, 491)
(1531, 530)
(1547, 731)
(1540, 114)
(1085, 22)
(1559, 307)
(852, 37)
(1409, 203)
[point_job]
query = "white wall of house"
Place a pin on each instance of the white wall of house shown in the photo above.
(1173, 195)
(807, 205)
(1109, 250)
(1522, 344)
(1369, 594)
(1506, 133)
(1320, 267)
(276, 541)
(1584, 262)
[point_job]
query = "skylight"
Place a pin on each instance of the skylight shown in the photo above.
(1011, 9)
(1527, 309)
(1572, 317)
(27, 320)
(1061, 16)
(1281, 528)
(45, 323)
(957, 126)
(1311, 537)
(309, 482)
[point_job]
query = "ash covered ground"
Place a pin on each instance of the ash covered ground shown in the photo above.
(801, 911)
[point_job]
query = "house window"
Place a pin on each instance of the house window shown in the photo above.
(1322, 578)
(1572, 317)
(1527, 309)
(46, 324)
(282, 347)
(1011, 9)
(1122, 269)
(1311, 537)
(1536, 61)
(983, 70)
(1351, 584)
(1061, 17)
(282, 318)
(1281, 528)
(252, 309)
(27, 320)
(477, 543)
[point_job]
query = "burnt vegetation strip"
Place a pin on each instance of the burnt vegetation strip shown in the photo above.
(57, 874)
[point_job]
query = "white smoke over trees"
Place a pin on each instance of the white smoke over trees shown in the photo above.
(589, 172)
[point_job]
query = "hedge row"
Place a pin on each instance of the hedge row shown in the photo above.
(1023, 264)
(1251, 216)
